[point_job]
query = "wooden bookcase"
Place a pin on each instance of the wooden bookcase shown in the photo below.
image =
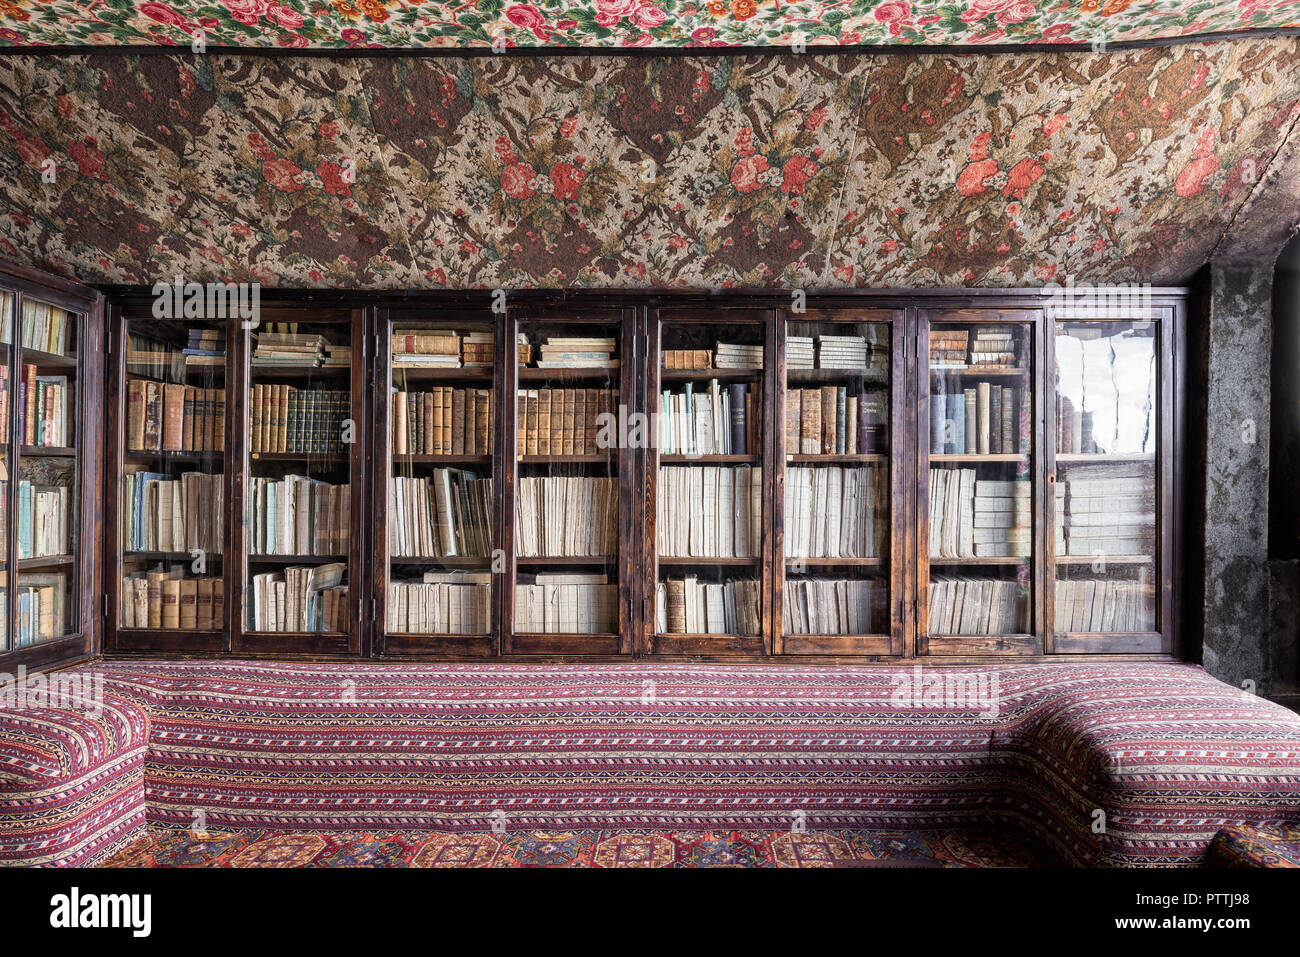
(1097, 414)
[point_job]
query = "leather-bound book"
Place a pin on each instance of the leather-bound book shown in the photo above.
(570, 422)
(810, 421)
(543, 421)
(170, 612)
(580, 423)
(187, 436)
(828, 420)
(189, 593)
(482, 422)
(530, 425)
(153, 411)
(676, 589)
(135, 397)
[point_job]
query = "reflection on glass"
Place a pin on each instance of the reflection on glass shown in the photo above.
(1107, 429)
(980, 484)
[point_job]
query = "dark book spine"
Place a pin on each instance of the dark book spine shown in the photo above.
(739, 424)
(841, 411)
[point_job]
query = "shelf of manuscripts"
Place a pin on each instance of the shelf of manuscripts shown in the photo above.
(42, 447)
(979, 489)
(301, 431)
(1107, 419)
(834, 587)
(442, 423)
(571, 448)
(171, 514)
(707, 473)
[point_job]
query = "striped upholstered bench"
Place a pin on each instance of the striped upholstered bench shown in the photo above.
(1104, 764)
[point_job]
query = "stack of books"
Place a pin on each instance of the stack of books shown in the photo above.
(729, 355)
(167, 599)
(175, 418)
(286, 419)
(975, 606)
(1105, 605)
(205, 349)
(426, 348)
(297, 515)
(709, 511)
(42, 520)
(163, 513)
(566, 603)
(443, 603)
(718, 420)
(842, 352)
(952, 513)
(1003, 519)
(301, 599)
(994, 346)
(799, 352)
(828, 606)
(834, 512)
(566, 516)
(564, 421)
(577, 352)
(688, 606)
(688, 359)
(830, 421)
(443, 421)
(948, 348)
(445, 515)
(1106, 510)
(985, 418)
(289, 349)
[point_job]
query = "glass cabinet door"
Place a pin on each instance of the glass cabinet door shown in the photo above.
(570, 511)
(303, 435)
(709, 397)
(441, 518)
(46, 516)
(8, 309)
(1107, 418)
(172, 496)
(834, 523)
(976, 550)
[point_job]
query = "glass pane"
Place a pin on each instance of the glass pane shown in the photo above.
(566, 490)
(981, 530)
(709, 493)
(8, 303)
(440, 513)
(1107, 429)
(299, 498)
(173, 490)
(45, 595)
(836, 524)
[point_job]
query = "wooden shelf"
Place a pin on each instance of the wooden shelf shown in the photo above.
(422, 459)
(679, 459)
(978, 371)
(1107, 559)
(159, 455)
(325, 458)
(831, 562)
(447, 561)
(45, 561)
(46, 451)
(530, 374)
(567, 560)
(678, 562)
(722, 375)
(295, 559)
(441, 375)
(610, 458)
(837, 458)
(48, 360)
(131, 556)
(977, 457)
(257, 372)
(1070, 458)
(982, 560)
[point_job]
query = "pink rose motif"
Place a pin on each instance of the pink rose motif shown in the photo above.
(745, 174)
(527, 16)
(795, 174)
(971, 180)
(246, 11)
(282, 174)
(1017, 13)
(288, 18)
(893, 15)
(649, 16)
(703, 33)
(328, 129)
(352, 36)
(566, 178)
(162, 13)
(1023, 175)
(1192, 179)
(89, 160)
(516, 180)
(979, 9)
(609, 12)
(331, 175)
(292, 41)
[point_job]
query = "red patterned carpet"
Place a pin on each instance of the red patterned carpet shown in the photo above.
(713, 848)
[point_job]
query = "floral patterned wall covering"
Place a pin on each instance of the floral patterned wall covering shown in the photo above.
(758, 170)
(357, 24)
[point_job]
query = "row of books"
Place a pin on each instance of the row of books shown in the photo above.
(835, 512)
(443, 421)
(443, 603)
(835, 606)
(205, 348)
(42, 520)
(170, 417)
(286, 419)
(41, 604)
(689, 606)
(563, 421)
(416, 348)
(167, 598)
(1105, 605)
(566, 603)
(276, 349)
(978, 518)
(830, 421)
(45, 327)
(717, 420)
(976, 606)
(42, 407)
(847, 353)
(984, 419)
(300, 599)
(577, 352)
(709, 511)
(566, 516)
(297, 515)
(688, 359)
(162, 513)
(447, 514)
(985, 346)
(1106, 510)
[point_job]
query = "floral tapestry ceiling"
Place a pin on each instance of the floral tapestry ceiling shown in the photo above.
(819, 169)
(343, 24)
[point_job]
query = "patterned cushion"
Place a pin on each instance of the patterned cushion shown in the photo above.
(1256, 847)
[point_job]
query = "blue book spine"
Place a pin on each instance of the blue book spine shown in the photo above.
(955, 425)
